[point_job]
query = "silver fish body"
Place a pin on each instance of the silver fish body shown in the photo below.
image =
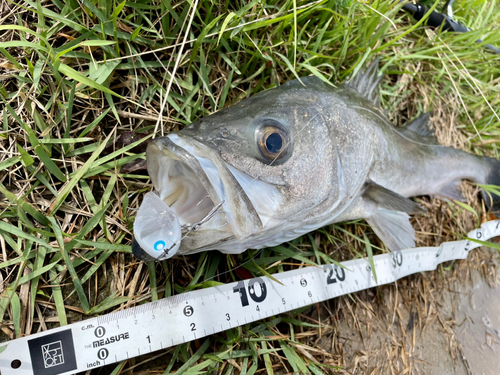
(298, 157)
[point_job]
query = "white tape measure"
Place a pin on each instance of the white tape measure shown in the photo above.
(175, 320)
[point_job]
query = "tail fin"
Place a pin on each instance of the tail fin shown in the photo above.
(491, 199)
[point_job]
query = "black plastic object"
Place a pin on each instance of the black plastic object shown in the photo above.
(436, 20)
(139, 253)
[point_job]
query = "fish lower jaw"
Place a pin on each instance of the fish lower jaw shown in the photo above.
(270, 237)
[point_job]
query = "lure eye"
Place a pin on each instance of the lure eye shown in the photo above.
(273, 142)
(159, 245)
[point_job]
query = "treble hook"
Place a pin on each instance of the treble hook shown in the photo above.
(196, 226)
(200, 202)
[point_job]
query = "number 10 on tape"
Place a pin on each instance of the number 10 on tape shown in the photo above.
(175, 320)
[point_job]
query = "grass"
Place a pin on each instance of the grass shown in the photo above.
(76, 75)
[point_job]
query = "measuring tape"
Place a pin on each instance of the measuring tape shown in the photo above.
(185, 317)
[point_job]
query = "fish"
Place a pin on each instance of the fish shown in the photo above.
(296, 158)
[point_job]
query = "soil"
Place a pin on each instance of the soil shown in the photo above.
(478, 327)
(443, 322)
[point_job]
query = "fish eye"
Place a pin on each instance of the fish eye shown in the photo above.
(273, 141)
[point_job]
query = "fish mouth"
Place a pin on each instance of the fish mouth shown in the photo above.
(193, 180)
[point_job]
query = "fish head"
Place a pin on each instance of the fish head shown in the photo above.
(249, 172)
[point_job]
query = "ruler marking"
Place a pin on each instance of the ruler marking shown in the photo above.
(358, 278)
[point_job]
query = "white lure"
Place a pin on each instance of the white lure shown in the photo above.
(157, 229)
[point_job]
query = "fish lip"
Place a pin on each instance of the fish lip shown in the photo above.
(240, 213)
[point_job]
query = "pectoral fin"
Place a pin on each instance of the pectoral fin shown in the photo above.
(389, 200)
(389, 219)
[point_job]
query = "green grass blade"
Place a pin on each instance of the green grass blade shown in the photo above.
(15, 304)
(228, 19)
(74, 277)
(11, 59)
(74, 180)
(486, 243)
(108, 303)
(97, 265)
(36, 274)
(58, 298)
(9, 228)
(194, 358)
(94, 123)
(79, 77)
(43, 156)
(370, 257)
(24, 29)
(37, 265)
(65, 141)
(20, 43)
(106, 246)
(153, 281)
(9, 162)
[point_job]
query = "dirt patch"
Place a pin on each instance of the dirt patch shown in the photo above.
(478, 327)
(442, 322)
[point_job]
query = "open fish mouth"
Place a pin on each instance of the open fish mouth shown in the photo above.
(193, 180)
(183, 183)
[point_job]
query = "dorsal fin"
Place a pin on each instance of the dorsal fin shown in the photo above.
(419, 125)
(367, 83)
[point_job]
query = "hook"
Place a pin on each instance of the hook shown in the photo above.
(196, 226)
(200, 202)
